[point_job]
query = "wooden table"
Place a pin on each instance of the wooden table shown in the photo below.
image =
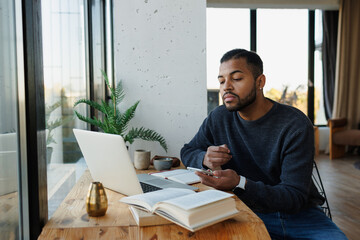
(70, 221)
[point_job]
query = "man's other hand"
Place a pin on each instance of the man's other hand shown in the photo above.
(216, 156)
(223, 179)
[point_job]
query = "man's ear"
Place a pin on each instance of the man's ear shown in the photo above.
(261, 80)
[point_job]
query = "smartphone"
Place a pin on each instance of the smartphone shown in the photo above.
(205, 171)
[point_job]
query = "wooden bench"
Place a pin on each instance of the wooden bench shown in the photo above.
(340, 137)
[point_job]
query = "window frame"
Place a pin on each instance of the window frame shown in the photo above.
(31, 108)
(311, 53)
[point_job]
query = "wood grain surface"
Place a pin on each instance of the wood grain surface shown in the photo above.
(70, 221)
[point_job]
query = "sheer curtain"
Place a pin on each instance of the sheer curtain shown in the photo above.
(347, 80)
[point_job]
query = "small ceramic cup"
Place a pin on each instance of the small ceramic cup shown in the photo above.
(163, 163)
(141, 159)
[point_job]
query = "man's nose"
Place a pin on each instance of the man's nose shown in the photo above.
(227, 84)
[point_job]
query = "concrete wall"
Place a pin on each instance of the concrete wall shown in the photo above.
(159, 51)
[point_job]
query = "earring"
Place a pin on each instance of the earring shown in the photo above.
(260, 88)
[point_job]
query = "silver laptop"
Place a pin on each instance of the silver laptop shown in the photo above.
(109, 162)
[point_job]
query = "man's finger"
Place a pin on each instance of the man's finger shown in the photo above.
(218, 155)
(219, 149)
(219, 159)
(222, 173)
(225, 147)
(206, 179)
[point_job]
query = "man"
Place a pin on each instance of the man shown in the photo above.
(261, 150)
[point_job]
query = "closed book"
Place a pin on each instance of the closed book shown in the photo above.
(143, 218)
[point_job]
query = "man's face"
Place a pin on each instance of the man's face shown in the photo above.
(237, 84)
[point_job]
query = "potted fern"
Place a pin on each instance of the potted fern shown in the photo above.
(114, 121)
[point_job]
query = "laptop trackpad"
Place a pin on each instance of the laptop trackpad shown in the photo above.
(162, 183)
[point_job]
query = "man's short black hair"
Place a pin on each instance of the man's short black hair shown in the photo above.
(252, 59)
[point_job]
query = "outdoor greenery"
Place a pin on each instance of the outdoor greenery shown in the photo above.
(296, 98)
(115, 122)
(51, 125)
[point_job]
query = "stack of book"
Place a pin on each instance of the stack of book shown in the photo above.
(184, 207)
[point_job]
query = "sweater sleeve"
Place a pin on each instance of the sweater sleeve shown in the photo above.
(291, 193)
(193, 153)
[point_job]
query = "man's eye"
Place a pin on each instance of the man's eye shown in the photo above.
(237, 79)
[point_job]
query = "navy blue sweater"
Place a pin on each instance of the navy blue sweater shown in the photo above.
(275, 154)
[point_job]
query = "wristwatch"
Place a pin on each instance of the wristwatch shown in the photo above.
(241, 184)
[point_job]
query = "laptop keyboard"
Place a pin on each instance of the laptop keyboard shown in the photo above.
(148, 188)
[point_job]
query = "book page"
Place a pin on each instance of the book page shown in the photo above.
(148, 200)
(187, 178)
(179, 175)
(170, 173)
(202, 217)
(199, 199)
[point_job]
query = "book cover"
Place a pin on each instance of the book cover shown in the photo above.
(143, 218)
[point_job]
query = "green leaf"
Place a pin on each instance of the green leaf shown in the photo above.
(113, 120)
(92, 121)
(127, 116)
(93, 104)
(145, 134)
(119, 93)
(51, 108)
(50, 125)
(108, 83)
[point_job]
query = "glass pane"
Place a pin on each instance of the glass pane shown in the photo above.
(98, 50)
(320, 118)
(9, 197)
(226, 29)
(282, 43)
(65, 82)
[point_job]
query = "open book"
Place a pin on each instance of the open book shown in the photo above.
(179, 175)
(187, 208)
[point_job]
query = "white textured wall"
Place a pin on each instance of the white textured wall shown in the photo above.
(159, 49)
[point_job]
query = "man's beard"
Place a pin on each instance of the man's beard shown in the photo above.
(242, 103)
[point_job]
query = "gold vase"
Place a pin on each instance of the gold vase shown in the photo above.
(96, 200)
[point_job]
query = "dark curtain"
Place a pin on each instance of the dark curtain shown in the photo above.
(330, 32)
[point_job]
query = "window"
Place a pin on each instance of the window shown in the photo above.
(63, 32)
(320, 118)
(282, 43)
(9, 155)
(226, 29)
(73, 54)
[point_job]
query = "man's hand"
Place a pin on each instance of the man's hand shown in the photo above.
(216, 156)
(223, 179)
